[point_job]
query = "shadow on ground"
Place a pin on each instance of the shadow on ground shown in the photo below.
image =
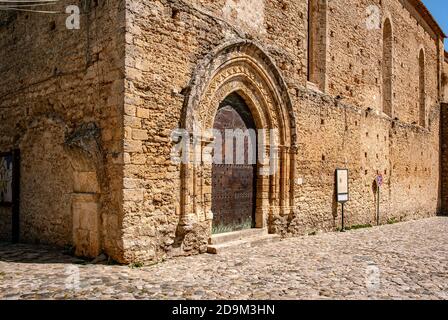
(26, 253)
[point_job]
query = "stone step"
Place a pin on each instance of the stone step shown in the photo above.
(235, 236)
(243, 243)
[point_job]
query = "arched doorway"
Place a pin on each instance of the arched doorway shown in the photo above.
(234, 167)
(241, 67)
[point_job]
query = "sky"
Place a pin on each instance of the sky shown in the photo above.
(439, 9)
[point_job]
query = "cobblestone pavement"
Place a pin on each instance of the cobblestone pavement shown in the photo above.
(401, 261)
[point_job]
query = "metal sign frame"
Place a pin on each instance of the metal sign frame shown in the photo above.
(379, 180)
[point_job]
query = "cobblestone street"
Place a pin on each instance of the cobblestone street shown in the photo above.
(400, 261)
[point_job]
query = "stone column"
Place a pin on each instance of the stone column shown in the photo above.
(207, 140)
(262, 201)
(292, 174)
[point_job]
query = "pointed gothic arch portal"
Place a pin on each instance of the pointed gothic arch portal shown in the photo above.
(241, 77)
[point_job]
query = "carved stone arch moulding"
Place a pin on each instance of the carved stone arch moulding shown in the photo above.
(241, 67)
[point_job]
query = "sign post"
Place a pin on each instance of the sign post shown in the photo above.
(342, 190)
(379, 184)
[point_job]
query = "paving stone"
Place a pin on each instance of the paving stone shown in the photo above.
(401, 261)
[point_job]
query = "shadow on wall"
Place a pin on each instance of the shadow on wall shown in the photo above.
(85, 152)
(60, 186)
(334, 208)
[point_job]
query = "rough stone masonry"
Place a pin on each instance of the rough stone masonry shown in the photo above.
(347, 84)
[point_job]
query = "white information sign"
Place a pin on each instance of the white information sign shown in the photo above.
(342, 188)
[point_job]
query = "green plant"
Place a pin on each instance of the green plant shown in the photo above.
(392, 221)
(217, 229)
(136, 265)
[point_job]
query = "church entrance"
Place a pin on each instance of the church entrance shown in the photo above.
(234, 167)
(238, 92)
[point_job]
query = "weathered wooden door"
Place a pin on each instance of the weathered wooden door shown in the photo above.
(234, 184)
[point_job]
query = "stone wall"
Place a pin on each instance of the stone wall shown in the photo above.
(340, 127)
(6, 223)
(444, 157)
(61, 105)
(93, 110)
(444, 137)
(445, 79)
(355, 57)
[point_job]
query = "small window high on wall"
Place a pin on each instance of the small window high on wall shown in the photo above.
(387, 68)
(317, 42)
(422, 91)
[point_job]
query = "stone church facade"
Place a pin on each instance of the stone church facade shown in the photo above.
(90, 116)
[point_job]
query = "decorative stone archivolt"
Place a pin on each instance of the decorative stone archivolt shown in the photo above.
(240, 67)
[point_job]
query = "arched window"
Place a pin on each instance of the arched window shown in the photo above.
(317, 42)
(422, 91)
(387, 68)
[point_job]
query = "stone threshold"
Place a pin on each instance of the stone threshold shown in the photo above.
(219, 243)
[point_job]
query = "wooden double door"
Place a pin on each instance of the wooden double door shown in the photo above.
(234, 173)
